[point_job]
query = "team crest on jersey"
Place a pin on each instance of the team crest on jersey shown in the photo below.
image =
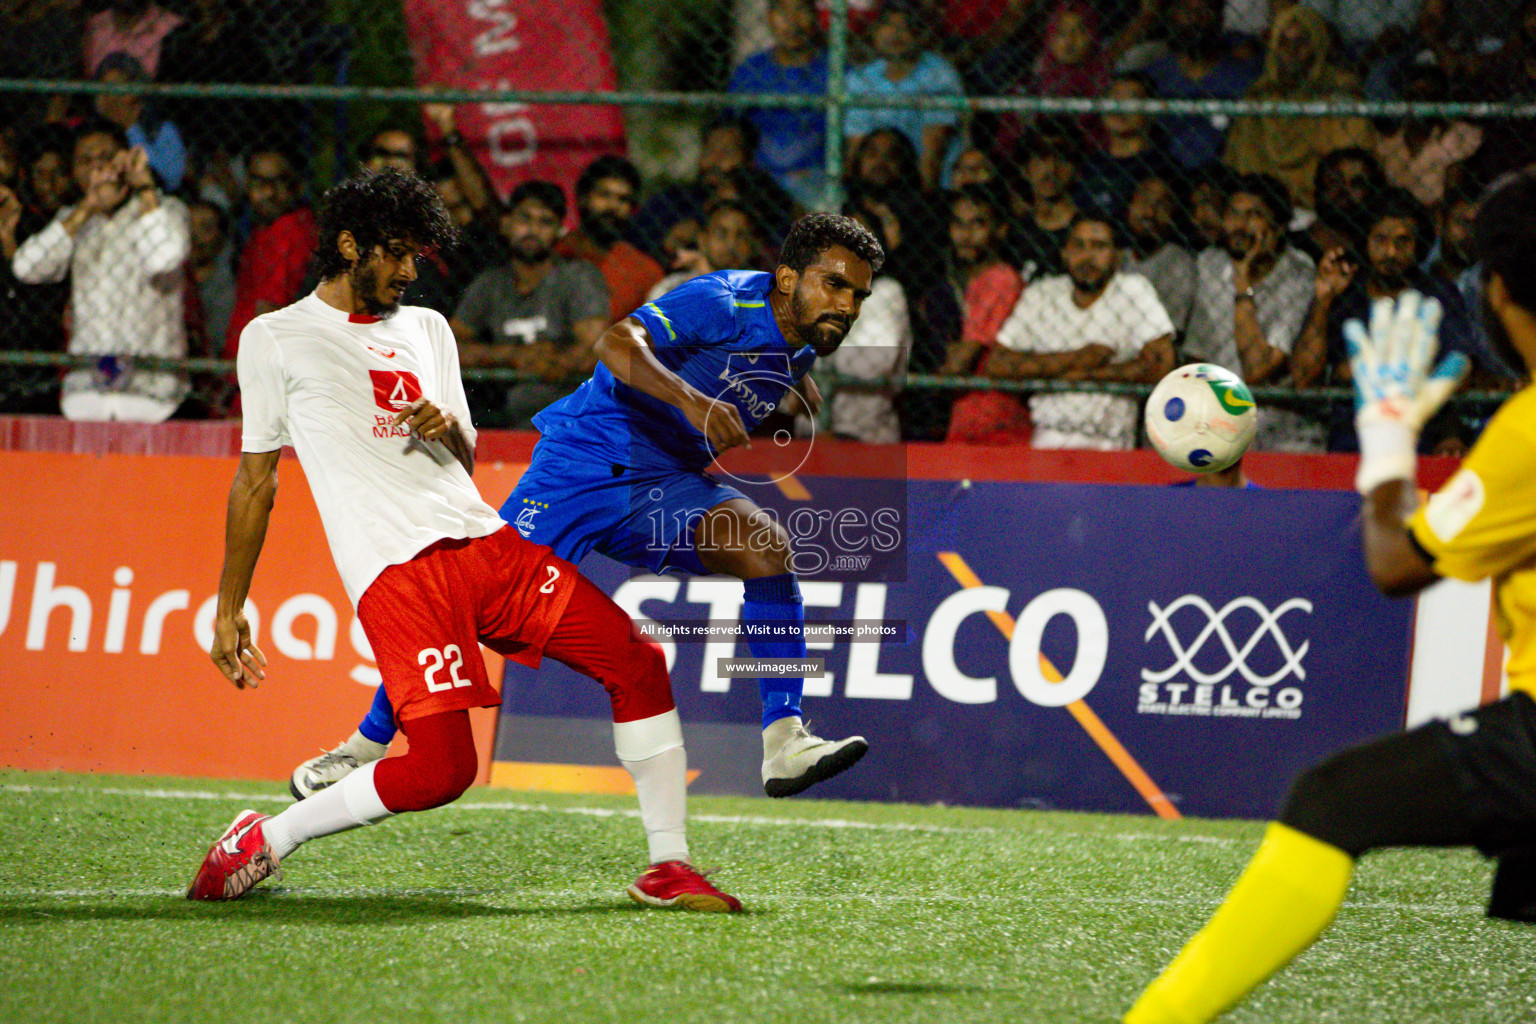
(393, 390)
(524, 521)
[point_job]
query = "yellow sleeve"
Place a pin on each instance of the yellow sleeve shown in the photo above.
(1482, 523)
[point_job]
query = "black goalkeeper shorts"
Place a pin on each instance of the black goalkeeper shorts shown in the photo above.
(1470, 781)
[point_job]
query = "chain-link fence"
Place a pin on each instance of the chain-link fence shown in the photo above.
(1074, 197)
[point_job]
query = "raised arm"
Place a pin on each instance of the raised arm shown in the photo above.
(1309, 359)
(1396, 565)
(467, 170)
(162, 234)
(1398, 388)
(625, 349)
(245, 529)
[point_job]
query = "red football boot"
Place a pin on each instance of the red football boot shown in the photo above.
(676, 883)
(241, 858)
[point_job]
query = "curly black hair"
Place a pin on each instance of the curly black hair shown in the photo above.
(815, 233)
(1270, 191)
(1400, 204)
(379, 208)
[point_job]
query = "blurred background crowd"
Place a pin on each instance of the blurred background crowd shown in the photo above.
(1046, 261)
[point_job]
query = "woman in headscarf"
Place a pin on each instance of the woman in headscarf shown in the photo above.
(1297, 69)
(1071, 65)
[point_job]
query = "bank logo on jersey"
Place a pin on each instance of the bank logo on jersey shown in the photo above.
(755, 388)
(393, 390)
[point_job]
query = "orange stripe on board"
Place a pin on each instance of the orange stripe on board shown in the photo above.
(792, 488)
(966, 578)
(1092, 724)
(564, 778)
(1493, 653)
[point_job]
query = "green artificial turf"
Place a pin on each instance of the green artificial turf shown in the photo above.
(510, 907)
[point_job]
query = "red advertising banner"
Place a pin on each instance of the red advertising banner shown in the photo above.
(109, 568)
(518, 44)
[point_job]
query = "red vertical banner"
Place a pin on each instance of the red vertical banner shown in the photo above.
(521, 44)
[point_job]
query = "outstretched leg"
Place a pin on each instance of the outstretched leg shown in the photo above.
(595, 637)
(1444, 784)
(737, 538)
(439, 766)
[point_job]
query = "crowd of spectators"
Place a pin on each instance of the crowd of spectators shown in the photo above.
(1110, 247)
(1094, 248)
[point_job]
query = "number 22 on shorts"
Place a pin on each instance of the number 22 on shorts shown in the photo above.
(434, 660)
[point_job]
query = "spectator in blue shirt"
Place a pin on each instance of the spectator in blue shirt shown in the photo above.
(1200, 66)
(790, 139)
(903, 68)
(156, 136)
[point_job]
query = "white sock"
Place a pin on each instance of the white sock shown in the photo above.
(651, 750)
(363, 748)
(661, 783)
(348, 804)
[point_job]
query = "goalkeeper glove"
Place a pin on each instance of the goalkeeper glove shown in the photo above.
(1395, 389)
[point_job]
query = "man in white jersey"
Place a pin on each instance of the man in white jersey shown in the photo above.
(368, 394)
(1092, 323)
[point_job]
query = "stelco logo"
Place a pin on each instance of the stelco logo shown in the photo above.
(1184, 688)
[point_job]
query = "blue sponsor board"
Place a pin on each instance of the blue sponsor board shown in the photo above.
(1225, 639)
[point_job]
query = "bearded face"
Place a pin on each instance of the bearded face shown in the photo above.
(380, 281)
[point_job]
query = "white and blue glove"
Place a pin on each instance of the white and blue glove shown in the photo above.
(1396, 392)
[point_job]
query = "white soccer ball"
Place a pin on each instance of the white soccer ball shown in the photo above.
(1201, 418)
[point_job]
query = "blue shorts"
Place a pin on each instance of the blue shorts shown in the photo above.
(643, 517)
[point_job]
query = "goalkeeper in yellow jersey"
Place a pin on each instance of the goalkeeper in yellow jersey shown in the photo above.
(1467, 782)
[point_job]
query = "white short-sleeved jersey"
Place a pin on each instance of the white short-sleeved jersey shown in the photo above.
(1126, 317)
(329, 384)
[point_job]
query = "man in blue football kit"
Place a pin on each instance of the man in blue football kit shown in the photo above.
(620, 467)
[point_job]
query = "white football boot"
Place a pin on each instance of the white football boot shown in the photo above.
(794, 759)
(334, 765)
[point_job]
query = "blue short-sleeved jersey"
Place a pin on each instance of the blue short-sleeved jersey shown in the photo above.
(716, 332)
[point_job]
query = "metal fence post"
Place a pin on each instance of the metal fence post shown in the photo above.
(836, 101)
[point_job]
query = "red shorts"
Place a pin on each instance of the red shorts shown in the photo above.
(427, 617)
